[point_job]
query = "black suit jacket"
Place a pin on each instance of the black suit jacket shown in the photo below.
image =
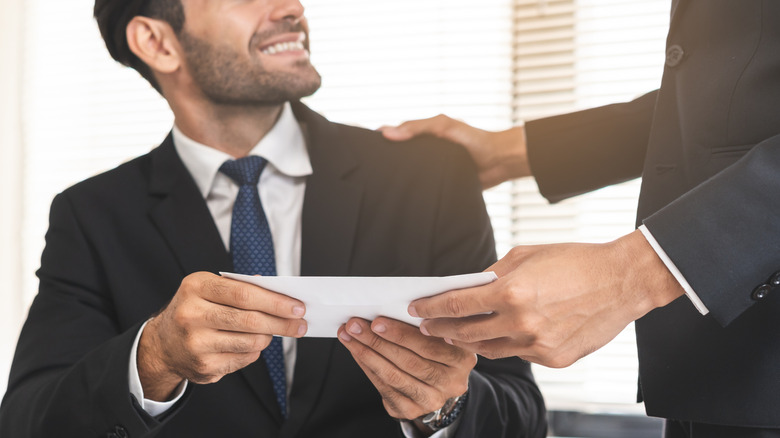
(707, 145)
(120, 243)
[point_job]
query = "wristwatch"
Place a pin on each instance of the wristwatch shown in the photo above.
(447, 414)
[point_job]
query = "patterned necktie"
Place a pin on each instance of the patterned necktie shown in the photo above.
(253, 250)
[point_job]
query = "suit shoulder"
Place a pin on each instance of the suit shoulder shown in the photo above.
(117, 180)
(425, 150)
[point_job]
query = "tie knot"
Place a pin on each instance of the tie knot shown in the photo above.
(244, 171)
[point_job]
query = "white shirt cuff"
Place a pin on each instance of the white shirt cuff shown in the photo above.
(697, 302)
(153, 408)
(410, 431)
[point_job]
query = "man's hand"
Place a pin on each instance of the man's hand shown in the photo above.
(213, 326)
(553, 304)
(500, 156)
(414, 374)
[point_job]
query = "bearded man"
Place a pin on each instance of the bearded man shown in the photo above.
(251, 180)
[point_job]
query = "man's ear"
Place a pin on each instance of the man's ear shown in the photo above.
(154, 42)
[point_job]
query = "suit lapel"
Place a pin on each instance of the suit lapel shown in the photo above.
(330, 212)
(180, 214)
(678, 7)
(332, 202)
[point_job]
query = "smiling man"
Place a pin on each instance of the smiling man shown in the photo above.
(133, 333)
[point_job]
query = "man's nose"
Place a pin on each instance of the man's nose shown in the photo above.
(287, 10)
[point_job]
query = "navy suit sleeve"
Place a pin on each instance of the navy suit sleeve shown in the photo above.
(504, 400)
(576, 153)
(724, 235)
(69, 375)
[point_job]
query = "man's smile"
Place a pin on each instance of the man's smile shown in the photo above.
(285, 44)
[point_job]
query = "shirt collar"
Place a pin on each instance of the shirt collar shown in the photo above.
(283, 146)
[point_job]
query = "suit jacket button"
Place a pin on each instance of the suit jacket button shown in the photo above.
(775, 281)
(761, 292)
(118, 432)
(674, 55)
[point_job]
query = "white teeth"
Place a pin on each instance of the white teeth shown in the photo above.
(283, 47)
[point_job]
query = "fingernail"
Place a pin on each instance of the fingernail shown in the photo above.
(302, 329)
(380, 328)
(354, 328)
(345, 337)
(299, 310)
(413, 311)
(424, 330)
(449, 341)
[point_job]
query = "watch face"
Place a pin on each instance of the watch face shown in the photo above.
(447, 415)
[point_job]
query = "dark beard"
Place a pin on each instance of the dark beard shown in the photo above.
(227, 78)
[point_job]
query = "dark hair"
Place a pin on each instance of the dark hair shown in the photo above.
(112, 17)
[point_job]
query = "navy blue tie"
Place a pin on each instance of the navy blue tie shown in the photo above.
(253, 250)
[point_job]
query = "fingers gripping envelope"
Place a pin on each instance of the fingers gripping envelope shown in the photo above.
(332, 301)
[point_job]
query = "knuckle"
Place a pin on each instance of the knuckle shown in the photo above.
(454, 306)
(464, 334)
(442, 119)
(394, 379)
(512, 295)
(375, 343)
(277, 305)
(456, 355)
(413, 393)
(242, 297)
(193, 282)
(423, 398)
(250, 320)
(360, 354)
(411, 363)
(400, 337)
(432, 375)
(391, 407)
(238, 345)
(215, 288)
(184, 316)
(215, 316)
(200, 372)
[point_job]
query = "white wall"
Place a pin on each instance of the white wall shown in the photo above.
(11, 160)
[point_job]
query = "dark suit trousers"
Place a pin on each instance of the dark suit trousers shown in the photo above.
(688, 429)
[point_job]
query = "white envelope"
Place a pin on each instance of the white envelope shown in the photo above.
(332, 301)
